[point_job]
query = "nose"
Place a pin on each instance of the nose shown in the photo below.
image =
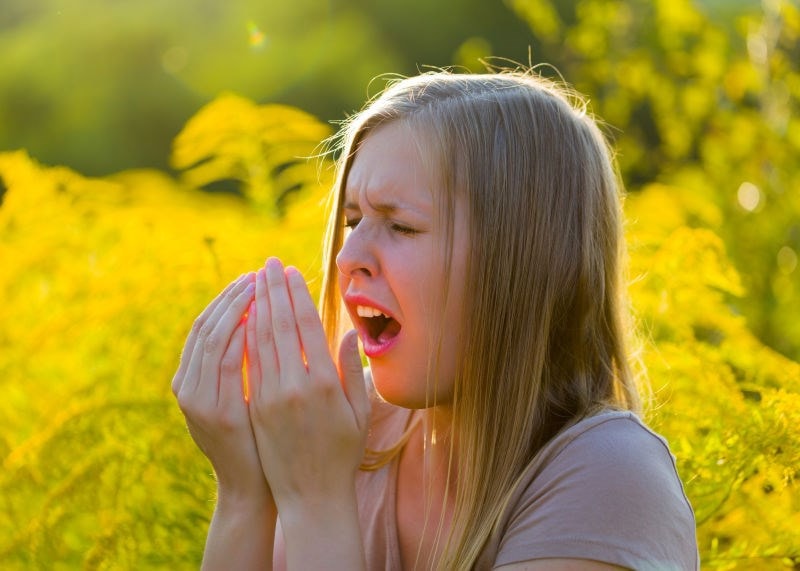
(356, 258)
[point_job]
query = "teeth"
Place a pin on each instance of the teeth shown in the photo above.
(366, 311)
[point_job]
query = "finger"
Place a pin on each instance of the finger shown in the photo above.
(198, 324)
(215, 337)
(352, 373)
(284, 327)
(231, 381)
(265, 339)
(251, 352)
(309, 326)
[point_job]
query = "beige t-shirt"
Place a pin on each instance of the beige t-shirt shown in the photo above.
(605, 489)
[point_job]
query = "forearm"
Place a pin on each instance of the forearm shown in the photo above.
(241, 536)
(324, 535)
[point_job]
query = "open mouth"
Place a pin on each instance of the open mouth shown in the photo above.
(380, 327)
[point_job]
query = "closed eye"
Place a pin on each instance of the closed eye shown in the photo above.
(405, 230)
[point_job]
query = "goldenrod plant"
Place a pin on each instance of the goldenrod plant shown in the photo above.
(100, 281)
(101, 277)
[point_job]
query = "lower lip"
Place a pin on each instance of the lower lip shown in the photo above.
(373, 348)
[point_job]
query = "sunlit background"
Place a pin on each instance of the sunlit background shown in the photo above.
(152, 151)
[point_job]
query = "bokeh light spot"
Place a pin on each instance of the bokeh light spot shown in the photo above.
(255, 37)
(757, 48)
(470, 53)
(787, 260)
(175, 59)
(749, 196)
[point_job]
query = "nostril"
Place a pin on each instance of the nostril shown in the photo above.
(352, 269)
(355, 261)
(356, 271)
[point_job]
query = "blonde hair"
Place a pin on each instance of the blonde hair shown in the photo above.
(543, 337)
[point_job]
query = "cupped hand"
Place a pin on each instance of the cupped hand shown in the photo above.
(309, 416)
(209, 386)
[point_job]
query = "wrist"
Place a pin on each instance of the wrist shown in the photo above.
(241, 535)
(232, 502)
(335, 526)
(298, 513)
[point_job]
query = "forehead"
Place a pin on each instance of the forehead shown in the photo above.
(392, 165)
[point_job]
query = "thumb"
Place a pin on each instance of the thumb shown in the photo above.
(352, 375)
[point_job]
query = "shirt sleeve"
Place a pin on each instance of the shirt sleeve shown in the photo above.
(608, 493)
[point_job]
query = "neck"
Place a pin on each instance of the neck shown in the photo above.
(438, 448)
(425, 497)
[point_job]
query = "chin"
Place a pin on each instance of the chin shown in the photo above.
(399, 391)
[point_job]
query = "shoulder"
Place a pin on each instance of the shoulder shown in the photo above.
(605, 489)
(614, 457)
(615, 441)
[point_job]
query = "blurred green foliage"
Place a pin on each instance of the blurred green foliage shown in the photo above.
(102, 86)
(101, 276)
(714, 110)
(101, 279)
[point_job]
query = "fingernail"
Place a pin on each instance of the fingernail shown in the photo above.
(291, 271)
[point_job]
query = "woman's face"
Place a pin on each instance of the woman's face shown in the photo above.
(392, 269)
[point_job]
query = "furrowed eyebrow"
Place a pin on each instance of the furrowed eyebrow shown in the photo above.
(384, 208)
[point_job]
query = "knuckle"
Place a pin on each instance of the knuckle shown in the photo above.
(229, 421)
(307, 318)
(211, 343)
(204, 330)
(197, 325)
(264, 411)
(230, 294)
(230, 366)
(264, 335)
(294, 398)
(275, 280)
(284, 323)
(327, 389)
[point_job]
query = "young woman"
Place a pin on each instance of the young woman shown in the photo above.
(475, 243)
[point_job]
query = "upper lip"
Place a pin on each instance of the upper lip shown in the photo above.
(355, 299)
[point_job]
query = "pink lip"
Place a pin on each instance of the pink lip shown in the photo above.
(372, 348)
(357, 299)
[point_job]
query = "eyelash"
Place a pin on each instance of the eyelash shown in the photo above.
(399, 228)
(404, 230)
